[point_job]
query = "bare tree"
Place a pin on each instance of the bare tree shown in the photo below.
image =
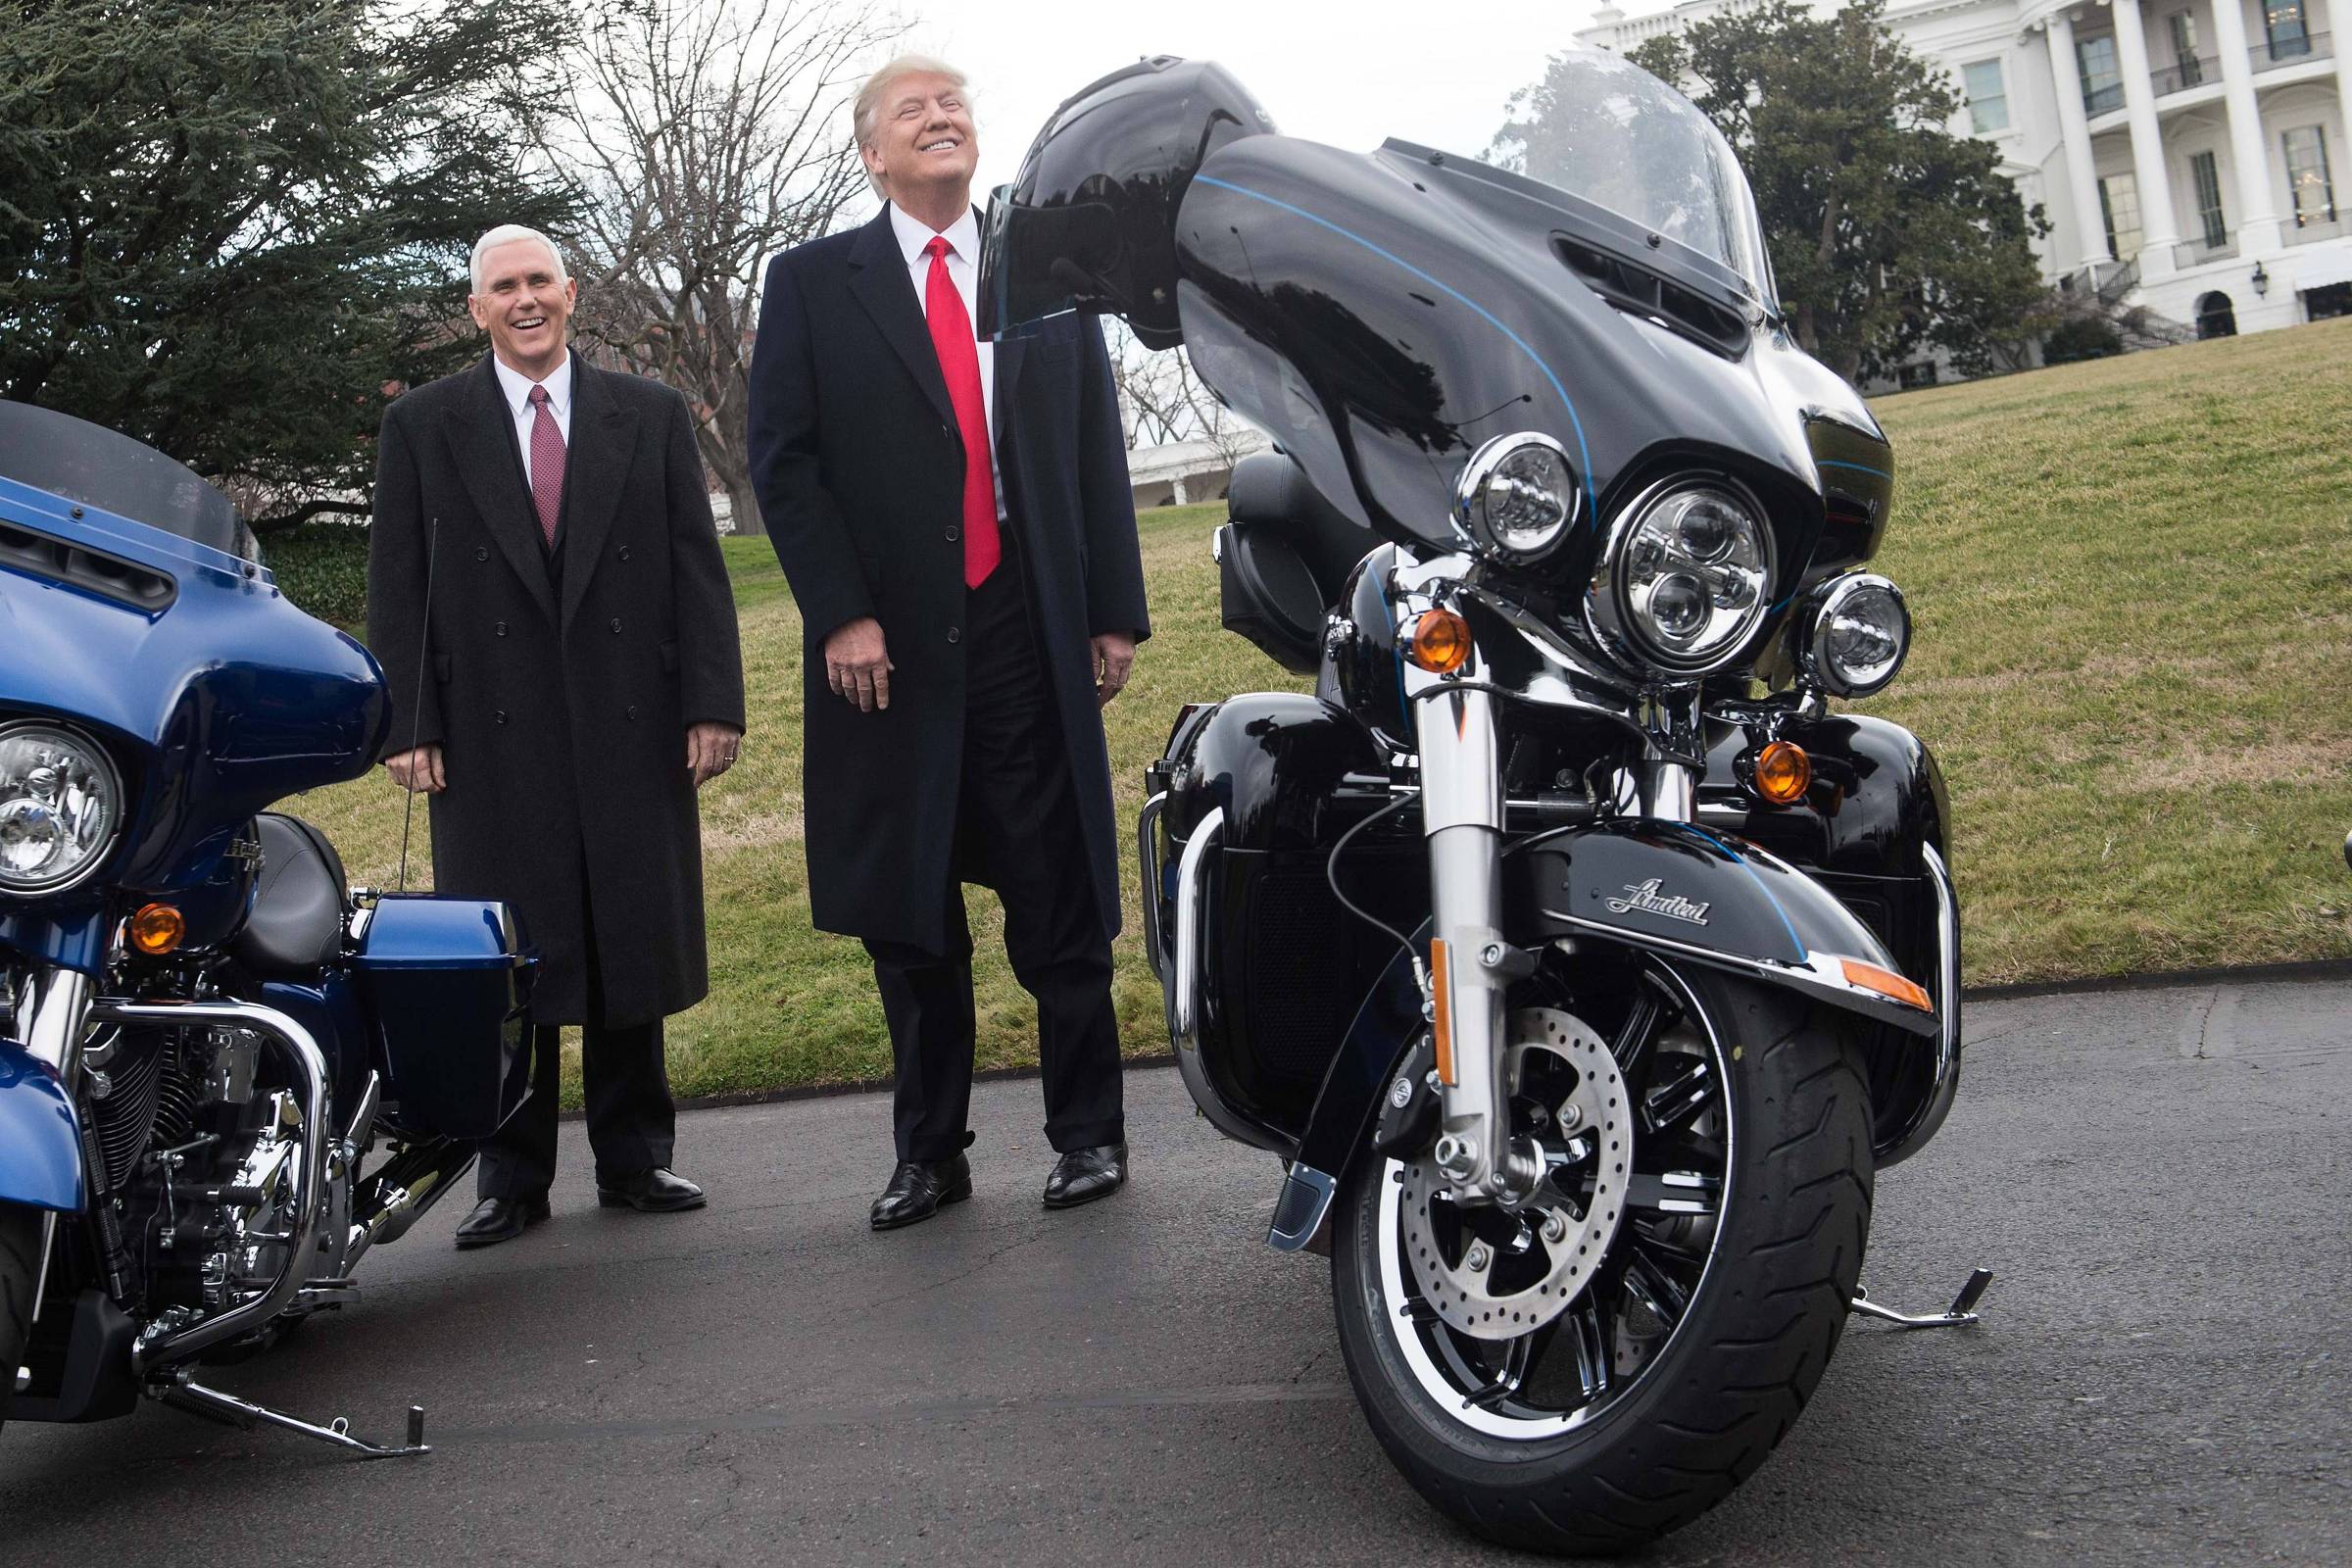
(1163, 399)
(707, 135)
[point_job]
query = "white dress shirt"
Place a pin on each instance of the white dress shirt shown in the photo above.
(964, 271)
(517, 389)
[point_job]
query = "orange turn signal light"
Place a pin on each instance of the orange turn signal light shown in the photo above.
(157, 929)
(1438, 641)
(1887, 983)
(1782, 774)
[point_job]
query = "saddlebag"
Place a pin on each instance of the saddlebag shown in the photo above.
(447, 985)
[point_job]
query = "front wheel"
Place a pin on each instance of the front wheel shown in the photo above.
(1684, 1272)
(19, 1241)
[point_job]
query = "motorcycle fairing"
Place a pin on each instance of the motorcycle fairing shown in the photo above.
(40, 1136)
(1681, 890)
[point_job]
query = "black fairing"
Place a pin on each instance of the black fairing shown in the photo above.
(1089, 221)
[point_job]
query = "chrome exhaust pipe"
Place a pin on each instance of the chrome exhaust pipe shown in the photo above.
(159, 1344)
(397, 1196)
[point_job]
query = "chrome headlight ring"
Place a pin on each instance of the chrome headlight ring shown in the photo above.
(1857, 632)
(61, 808)
(1518, 497)
(1686, 578)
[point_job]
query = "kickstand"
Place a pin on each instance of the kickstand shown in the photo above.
(1962, 1310)
(183, 1393)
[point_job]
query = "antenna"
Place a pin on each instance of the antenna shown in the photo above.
(424, 642)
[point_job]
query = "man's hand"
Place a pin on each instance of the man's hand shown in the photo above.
(711, 750)
(419, 769)
(857, 665)
(1114, 657)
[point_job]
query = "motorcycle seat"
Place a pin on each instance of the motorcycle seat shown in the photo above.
(297, 920)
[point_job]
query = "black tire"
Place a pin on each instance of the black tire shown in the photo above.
(1736, 1370)
(19, 1241)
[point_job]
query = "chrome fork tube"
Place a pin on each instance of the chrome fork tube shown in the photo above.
(1462, 810)
(57, 1013)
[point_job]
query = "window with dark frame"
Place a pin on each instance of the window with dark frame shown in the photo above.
(2284, 26)
(2102, 78)
(2182, 26)
(2307, 178)
(2208, 178)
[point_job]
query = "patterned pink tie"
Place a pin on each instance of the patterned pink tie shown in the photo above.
(547, 466)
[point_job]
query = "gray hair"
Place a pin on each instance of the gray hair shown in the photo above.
(507, 234)
(866, 111)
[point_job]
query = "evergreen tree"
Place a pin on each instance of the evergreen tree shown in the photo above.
(232, 229)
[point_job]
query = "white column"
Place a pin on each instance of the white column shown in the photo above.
(2256, 220)
(1177, 489)
(2159, 234)
(2339, 156)
(2074, 134)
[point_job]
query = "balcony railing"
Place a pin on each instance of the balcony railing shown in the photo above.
(2186, 73)
(2280, 53)
(2103, 100)
(2310, 232)
(2197, 252)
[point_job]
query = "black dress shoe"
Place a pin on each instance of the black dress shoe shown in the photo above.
(1082, 1175)
(500, 1219)
(653, 1191)
(919, 1187)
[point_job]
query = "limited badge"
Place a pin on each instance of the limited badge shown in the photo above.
(1645, 899)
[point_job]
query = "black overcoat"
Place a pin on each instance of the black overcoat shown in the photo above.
(560, 692)
(860, 470)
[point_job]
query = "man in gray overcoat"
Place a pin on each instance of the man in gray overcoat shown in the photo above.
(547, 598)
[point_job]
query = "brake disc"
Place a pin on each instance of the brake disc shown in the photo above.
(1501, 1290)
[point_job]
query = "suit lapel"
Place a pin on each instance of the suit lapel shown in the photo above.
(879, 279)
(481, 437)
(604, 445)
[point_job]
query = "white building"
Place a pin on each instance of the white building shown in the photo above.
(2191, 153)
(1177, 473)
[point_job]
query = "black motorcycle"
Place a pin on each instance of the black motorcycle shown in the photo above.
(1580, 964)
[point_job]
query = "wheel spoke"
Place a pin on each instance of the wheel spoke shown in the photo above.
(1588, 1321)
(1673, 1104)
(1673, 1191)
(1641, 1027)
(1517, 1357)
(1648, 1282)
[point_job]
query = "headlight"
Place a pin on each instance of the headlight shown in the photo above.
(1518, 496)
(1685, 581)
(1861, 629)
(61, 803)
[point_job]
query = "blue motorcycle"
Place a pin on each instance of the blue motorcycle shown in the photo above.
(205, 1033)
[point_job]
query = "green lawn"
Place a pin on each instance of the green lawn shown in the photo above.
(2133, 603)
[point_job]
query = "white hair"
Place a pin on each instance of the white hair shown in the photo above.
(507, 234)
(865, 112)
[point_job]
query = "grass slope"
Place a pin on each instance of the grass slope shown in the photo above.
(2134, 627)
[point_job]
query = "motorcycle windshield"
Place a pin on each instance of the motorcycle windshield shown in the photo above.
(1604, 129)
(42, 449)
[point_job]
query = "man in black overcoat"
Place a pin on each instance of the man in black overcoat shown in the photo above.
(956, 520)
(543, 557)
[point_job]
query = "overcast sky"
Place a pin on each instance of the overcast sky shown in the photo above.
(1347, 74)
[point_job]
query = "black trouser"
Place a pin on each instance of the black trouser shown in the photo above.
(1015, 832)
(632, 1122)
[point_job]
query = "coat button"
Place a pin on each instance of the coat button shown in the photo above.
(955, 634)
(625, 552)
(955, 534)
(616, 625)
(630, 714)
(499, 631)
(498, 715)
(481, 552)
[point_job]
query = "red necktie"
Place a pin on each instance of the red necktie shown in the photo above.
(547, 466)
(959, 362)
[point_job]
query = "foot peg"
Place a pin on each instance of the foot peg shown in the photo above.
(1962, 1310)
(212, 1403)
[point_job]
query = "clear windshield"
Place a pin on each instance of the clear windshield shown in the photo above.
(46, 450)
(1602, 129)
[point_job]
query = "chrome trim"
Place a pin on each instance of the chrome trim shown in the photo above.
(1610, 625)
(57, 1013)
(121, 805)
(1469, 496)
(399, 1191)
(1184, 1000)
(159, 1344)
(1147, 855)
(1317, 1188)
(1668, 791)
(1945, 989)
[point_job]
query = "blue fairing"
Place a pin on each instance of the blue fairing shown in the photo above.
(217, 705)
(40, 1140)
